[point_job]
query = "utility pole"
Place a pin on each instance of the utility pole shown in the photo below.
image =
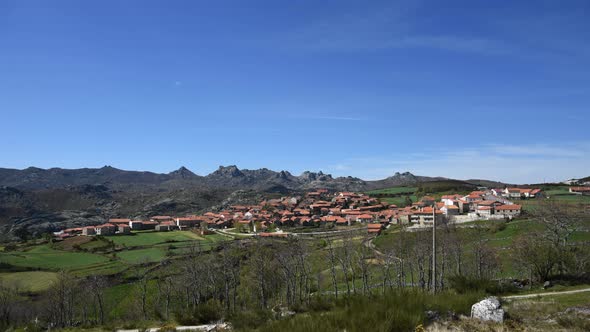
(433, 289)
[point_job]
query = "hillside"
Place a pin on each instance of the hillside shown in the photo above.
(34, 200)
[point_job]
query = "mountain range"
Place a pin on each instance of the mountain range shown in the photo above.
(35, 200)
(263, 179)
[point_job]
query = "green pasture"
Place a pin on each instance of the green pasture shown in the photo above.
(44, 257)
(393, 191)
(29, 281)
(151, 238)
(147, 255)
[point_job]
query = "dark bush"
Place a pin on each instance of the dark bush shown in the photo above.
(250, 319)
(462, 285)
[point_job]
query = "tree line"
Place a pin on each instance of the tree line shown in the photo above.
(253, 281)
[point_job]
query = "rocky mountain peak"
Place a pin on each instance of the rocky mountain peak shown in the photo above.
(283, 175)
(403, 175)
(312, 176)
(231, 171)
(183, 173)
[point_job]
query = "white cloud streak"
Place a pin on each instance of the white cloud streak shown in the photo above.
(509, 163)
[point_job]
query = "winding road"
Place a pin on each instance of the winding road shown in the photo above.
(528, 296)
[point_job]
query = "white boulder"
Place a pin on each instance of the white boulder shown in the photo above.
(489, 309)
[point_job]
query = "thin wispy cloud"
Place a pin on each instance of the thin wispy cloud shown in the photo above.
(526, 163)
(400, 26)
(391, 27)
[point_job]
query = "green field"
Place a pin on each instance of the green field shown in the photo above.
(137, 256)
(44, 257)
(393, 191)
(30, 281)
(399, 201)
(104, 268)
(151, 238)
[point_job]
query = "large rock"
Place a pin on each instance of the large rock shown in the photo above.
(489, 309)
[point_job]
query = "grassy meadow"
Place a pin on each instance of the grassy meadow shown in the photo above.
(46, 258)
(29, 281)
(33, 266)
(140, 239)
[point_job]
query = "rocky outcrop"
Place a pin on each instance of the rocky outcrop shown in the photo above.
(488, 309)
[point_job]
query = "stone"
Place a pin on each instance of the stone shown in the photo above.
(488, 309)
(432, 315)
(547, 284)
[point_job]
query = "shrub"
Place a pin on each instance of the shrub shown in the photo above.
(203, 314)
(463, 285)
(250, 319)
(498, 226)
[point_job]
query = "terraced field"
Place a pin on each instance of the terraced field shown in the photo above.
(140, 239)
(147, 255)
(46, 258)
(29, 281)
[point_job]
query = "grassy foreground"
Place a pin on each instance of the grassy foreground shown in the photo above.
(398, 310)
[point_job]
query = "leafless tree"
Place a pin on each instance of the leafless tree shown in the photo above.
(142, 290)
(96, 286)
(389, 262)
(537, 255)
(333, 261)
(7, 300)
(165, 293)
(559, 219)
(230, 273)
(362, 255)
(345, 258)
(485, 256)
(421, 253)
(62, 298)
(261, 270)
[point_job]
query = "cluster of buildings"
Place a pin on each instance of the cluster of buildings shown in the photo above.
(325, 208)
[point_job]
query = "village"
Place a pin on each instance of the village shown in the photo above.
(328, 210)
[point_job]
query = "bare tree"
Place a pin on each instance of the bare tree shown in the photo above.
(345, 259)
(537, 255)
(559, 220)
(96, 286)
(230, 273)
(62, 297)
(7, 299)
(486, 256)
(388, 263)
(165, 293)
(142, 291)
(362, 255)
(332, 260)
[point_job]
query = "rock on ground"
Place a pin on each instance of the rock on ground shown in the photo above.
(488, 309)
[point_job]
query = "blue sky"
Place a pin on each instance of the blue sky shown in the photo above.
(463, 89)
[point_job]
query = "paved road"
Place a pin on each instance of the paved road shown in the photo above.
(545, 294)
